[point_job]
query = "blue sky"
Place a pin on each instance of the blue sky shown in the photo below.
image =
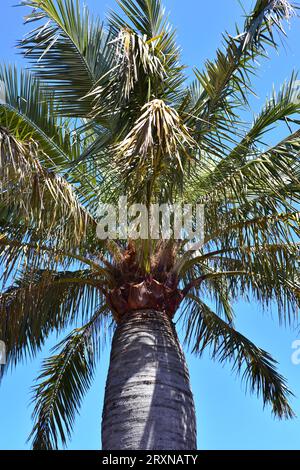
(227, 417)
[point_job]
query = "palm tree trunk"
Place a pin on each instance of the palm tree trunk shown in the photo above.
(148, 401)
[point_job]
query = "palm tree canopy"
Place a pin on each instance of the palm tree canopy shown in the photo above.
(108, 110)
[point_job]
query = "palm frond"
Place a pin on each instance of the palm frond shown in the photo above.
(37, 197)
(27, 113)
(40, 302)
(226, 82)
(136, 61)
(205, 329)
(68, 51)
(157, 141)
(146, 66)
(147, 16)
(147, 19)
(30, 114)
(262, 189)
(267, 272)
(65, 379)
(281, 107)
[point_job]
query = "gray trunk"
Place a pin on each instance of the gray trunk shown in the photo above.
(148, 401)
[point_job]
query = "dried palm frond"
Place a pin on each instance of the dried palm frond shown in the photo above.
(158, 135)
(134, 53)
(286, 7)
(36, 196)
(136, 59)
(266, 14)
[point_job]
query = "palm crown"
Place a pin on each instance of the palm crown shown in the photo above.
(107, 111)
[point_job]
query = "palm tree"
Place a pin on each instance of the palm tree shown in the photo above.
(106, 111)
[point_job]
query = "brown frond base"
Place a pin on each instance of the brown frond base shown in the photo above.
(148, 294)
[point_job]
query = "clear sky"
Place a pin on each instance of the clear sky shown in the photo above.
(227, 417)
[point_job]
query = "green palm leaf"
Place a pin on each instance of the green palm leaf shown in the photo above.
(41, 302)
(64, 381)
(205, 329)
(69, 52)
